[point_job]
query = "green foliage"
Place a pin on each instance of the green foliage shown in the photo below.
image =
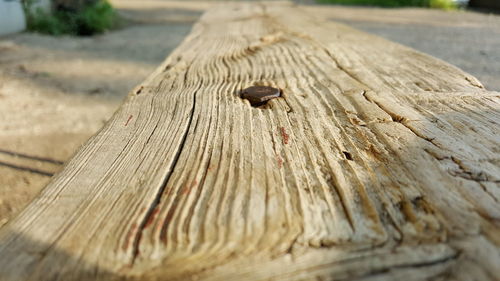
(441, 4)
(97, 18)
(93, 19)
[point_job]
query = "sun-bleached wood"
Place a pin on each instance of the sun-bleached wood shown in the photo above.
(378, 163)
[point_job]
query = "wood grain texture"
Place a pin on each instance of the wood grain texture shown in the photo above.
(378, 163)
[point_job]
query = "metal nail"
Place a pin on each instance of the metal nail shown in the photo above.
(259, 95)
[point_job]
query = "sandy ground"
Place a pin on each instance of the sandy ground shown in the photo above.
(57, 92)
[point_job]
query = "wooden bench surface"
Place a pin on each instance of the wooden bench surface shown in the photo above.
(378, 163)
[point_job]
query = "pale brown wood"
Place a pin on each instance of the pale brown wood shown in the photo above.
(378, 163)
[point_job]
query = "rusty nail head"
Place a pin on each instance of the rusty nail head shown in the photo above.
(259, 95)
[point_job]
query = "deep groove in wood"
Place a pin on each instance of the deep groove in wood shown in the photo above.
(147, 218)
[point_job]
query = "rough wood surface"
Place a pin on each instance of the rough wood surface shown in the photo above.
(378, 163)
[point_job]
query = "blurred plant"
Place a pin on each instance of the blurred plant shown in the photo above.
(441, 4)
(91, 19)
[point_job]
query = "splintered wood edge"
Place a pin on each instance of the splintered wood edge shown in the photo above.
(378, 162)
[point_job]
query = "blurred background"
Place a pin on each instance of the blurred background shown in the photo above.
(66, 65)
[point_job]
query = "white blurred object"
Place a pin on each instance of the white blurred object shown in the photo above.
(12, 17)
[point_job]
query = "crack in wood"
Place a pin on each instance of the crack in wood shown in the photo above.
(443, 260)
(155, 204)
(401, 120)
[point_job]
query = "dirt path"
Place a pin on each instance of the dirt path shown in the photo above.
(57, 92)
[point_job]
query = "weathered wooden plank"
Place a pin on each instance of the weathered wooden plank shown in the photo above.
(378, 163)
